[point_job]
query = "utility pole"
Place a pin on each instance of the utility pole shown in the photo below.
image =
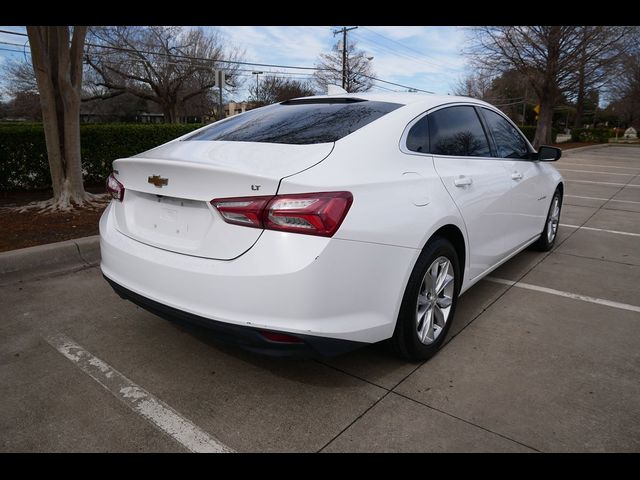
(344, 31)
(257, 74)
(220, 79)
(524, 104)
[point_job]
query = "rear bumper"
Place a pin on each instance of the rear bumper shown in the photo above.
(298, 284)
(245, 337)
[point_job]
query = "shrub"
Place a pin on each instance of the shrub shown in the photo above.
(23, 153)
(592, 134)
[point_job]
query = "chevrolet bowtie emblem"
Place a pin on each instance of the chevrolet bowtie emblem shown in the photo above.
(158, 181)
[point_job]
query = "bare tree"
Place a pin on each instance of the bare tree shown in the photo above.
(475, 85)
(20, 77)
(544, 55)
(625, 90)
(56, 55)
(554, 60)
(165, 65)
(359, 71)
(600, 51)
(272, 89)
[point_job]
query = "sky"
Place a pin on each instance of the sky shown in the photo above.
(426, 58)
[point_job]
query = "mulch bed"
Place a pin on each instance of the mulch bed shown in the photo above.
(26, 229)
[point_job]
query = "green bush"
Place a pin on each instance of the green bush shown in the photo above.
(592, 134)
(23, 153)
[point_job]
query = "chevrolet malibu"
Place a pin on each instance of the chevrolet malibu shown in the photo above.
(321, 224)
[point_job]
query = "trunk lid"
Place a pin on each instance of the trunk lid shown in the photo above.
(168, 190)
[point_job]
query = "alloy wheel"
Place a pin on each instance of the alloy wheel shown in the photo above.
(435, 298)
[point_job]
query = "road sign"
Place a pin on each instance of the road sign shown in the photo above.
(220, 78)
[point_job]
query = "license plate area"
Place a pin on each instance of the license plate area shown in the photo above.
(170, 221)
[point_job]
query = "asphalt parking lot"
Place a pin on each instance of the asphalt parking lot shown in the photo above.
(543, 356)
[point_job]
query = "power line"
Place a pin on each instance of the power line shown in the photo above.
(14, 33)
(405, 46)
(9, 50)
(235, 62)
(403, 54)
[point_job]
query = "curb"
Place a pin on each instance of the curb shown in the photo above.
(601, 145)
(580, 149)
(52, 257)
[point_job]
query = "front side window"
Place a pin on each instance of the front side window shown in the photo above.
(298, 121)
(457, 131)
(509, 142)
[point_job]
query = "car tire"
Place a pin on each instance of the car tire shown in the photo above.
(411, 338)
(548, 236)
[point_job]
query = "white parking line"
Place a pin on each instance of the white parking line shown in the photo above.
(601, 230)
(158, 413)
(592, 171)
(603, 183)
(599, 198)
(603, 166)
(560, 293)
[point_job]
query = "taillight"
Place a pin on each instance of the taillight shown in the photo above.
(115, 188)
(245, 211)
(309, 213)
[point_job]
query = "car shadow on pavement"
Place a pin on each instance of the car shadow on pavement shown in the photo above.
(308, 370)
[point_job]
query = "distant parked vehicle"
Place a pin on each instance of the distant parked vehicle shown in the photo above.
(321, 224)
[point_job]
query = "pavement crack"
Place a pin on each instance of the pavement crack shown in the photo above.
(468, 422)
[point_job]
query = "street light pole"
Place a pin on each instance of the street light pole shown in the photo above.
(257, 74)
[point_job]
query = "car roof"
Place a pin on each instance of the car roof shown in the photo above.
(425, 100)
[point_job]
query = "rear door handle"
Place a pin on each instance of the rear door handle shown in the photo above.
(462, 181)
(516, 176)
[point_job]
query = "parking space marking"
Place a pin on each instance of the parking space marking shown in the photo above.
(560, 293)
(603, 183)
(592, 171)
(603, 166)
(158, 413)
(599, 198)
(618, 232)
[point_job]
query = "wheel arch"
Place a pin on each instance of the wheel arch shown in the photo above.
(454, 235)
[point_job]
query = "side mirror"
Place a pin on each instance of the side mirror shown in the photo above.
(549, 154)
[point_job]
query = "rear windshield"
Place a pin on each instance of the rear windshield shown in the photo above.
(297, 122)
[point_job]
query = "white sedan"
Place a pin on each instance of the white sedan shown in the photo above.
(325, 223)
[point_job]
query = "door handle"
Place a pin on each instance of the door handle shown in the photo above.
(516, 176)
(462, 181)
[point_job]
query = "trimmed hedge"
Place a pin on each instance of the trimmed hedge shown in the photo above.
(23, 153)
(592, 134)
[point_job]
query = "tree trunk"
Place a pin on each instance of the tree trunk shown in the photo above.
(57, 64)
(577, 123)
(548, 90)
(545, 120)
(170, 112)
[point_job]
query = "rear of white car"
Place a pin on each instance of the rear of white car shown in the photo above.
(322, 224)
(208, 230)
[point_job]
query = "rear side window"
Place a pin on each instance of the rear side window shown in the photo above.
(298, 122)
(457, 131)
(418, 136)
(509, 141)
